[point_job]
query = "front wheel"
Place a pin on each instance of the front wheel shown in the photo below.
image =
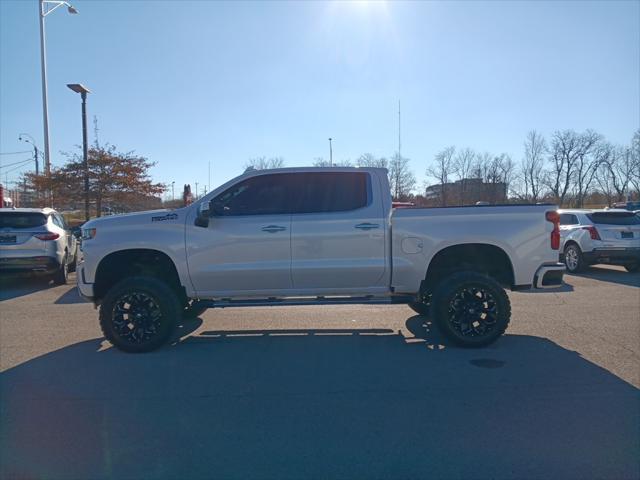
(471, 309)
(139, 314)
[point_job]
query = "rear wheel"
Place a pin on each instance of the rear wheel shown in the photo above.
(471, 309)
(74, 263)
(632, 267)
(139, 314)
(573, 259)
(62, 274)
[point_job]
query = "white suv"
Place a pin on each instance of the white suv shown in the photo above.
(36, 240)
(599, 236)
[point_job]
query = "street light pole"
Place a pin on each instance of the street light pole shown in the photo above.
(330, 154)
(35, 148)
(45, 108)
(82, 90)
(173, 197)
(43, 62)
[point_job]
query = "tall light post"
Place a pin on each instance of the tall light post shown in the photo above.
(330, 153)
(46, 7)
(25, 137)
(173, 197)
(82, 90)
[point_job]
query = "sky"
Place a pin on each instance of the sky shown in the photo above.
(190, 84)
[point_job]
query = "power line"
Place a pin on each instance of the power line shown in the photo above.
(15, 153)
(18, 167)
(16, 163)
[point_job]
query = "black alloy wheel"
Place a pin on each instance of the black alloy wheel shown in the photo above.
(139, 314)
(471, 308)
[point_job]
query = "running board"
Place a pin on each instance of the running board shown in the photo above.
(281, 302)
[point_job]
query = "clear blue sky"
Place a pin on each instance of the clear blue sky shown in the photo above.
(185, 83)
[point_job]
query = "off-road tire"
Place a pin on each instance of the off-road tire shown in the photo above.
(490, 300)
(165, 307)
(573, 259)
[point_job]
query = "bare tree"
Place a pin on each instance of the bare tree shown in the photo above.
(369, 160)
(567, 147)
(321, 162)
(264, 163)
(531, 168)
(497, 174)
(441, 170)
(607, 179)
(593, 151)
(463, 164)
(401, 178)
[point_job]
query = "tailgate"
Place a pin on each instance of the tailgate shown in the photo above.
(617, 228)
(17, 233)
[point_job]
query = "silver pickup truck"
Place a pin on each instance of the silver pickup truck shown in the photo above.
(300, 236)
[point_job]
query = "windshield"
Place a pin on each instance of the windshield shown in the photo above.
(22, 219)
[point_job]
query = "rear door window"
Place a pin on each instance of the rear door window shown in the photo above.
(22, 219)
(568, 219)
(614, 218)
(323, 192)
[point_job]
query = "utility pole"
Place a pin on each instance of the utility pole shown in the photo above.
(399, 144)
(196, 190)
(330, 153)
(173, 197)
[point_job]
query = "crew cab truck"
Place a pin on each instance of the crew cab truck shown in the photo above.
(301, 236)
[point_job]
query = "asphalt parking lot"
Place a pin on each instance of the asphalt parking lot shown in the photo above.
(325, 392)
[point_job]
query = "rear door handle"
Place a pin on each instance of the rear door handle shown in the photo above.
(273, 228)
(367, 226)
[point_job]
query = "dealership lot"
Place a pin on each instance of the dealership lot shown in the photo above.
(340, 391)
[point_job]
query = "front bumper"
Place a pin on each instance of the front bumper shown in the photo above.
(84, 289)
(617, 256)
(549, 276)
(39, 264)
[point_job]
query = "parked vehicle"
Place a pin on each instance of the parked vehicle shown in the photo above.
(627, 205)
(38, 241)
(599, 236)
(314, 236)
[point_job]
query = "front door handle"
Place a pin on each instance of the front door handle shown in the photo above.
(367, 226)
(273, 228)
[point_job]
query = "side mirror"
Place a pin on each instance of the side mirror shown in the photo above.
(204, 212)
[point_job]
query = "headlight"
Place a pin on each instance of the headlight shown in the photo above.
(88, 233)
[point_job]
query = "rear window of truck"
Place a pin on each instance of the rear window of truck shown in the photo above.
(22, 219)
(614, 218)
(325, 192)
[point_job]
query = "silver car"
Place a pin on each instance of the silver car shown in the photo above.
(599, 236)
(36, 240)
